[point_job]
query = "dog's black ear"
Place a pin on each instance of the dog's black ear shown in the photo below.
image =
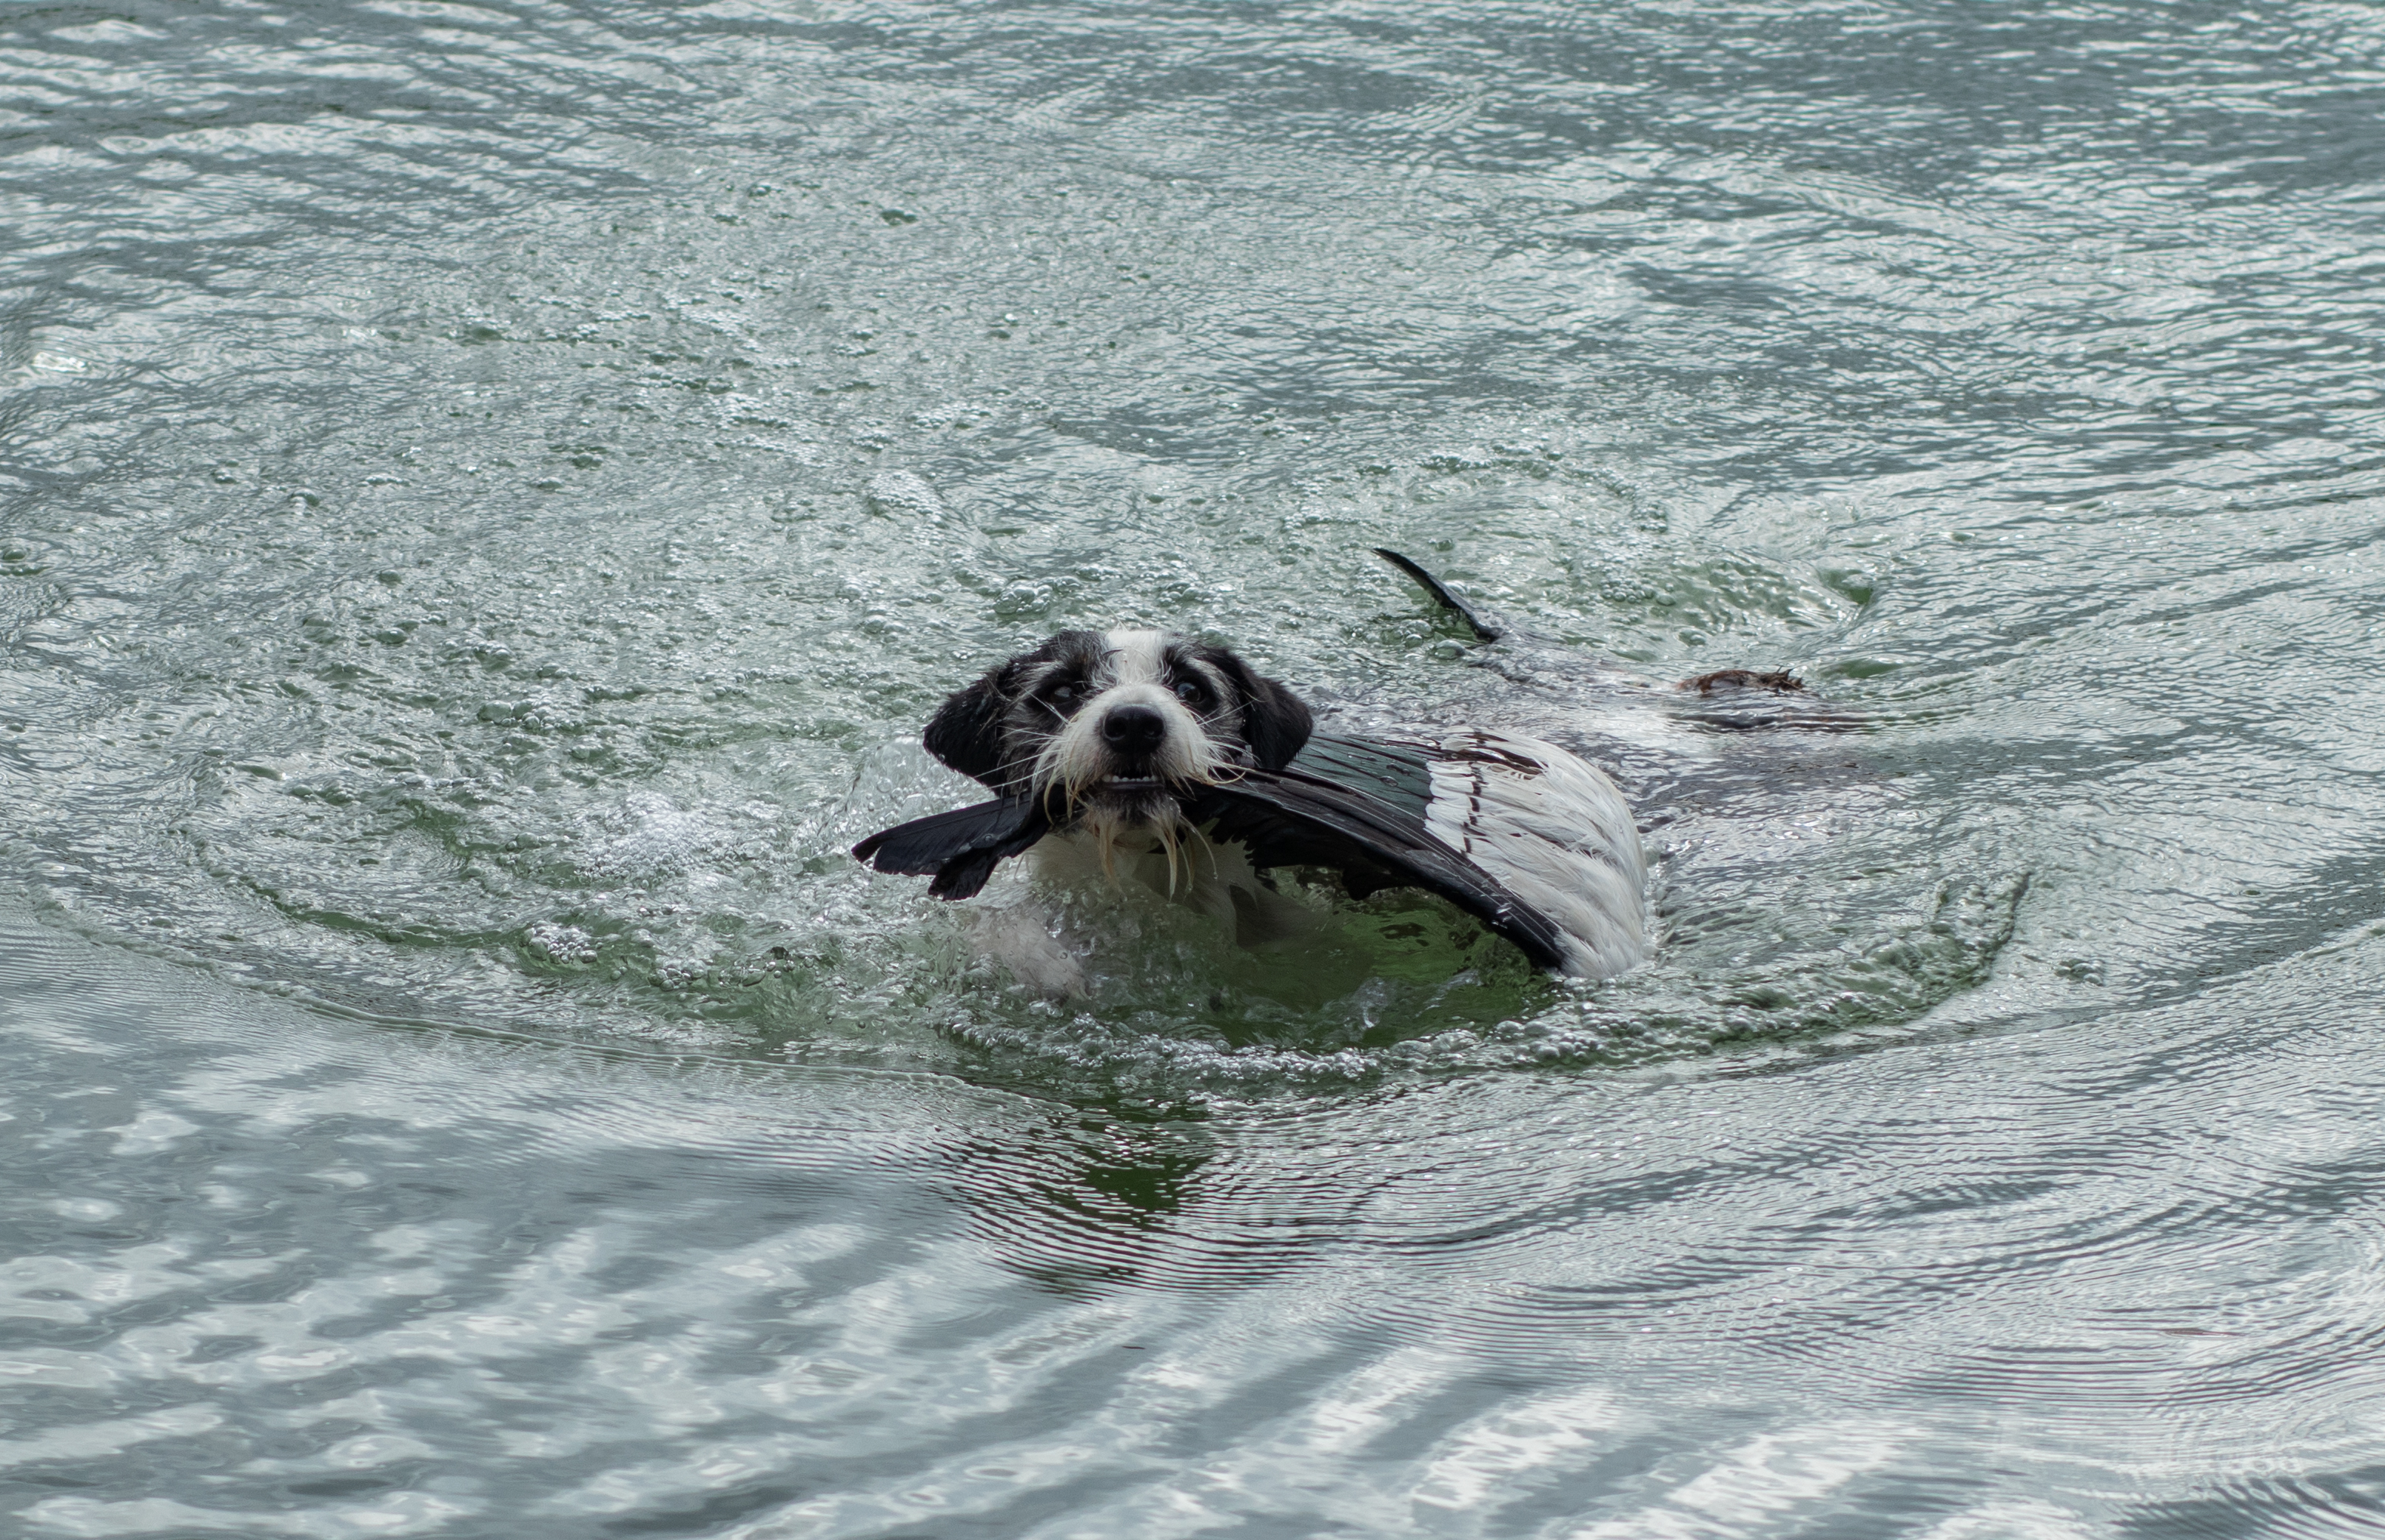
(965, 732)
(968, 731)
(1275, 721)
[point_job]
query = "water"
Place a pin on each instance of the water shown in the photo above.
(494, 490)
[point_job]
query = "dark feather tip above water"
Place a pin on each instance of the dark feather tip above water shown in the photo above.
(1483, 630)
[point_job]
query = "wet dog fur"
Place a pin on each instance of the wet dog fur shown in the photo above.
(1109, 728)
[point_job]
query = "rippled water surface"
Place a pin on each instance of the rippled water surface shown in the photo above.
(493, 491)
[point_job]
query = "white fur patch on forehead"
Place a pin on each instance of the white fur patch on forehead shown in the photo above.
(1134, 657)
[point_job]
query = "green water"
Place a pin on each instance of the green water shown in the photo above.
(493, 491)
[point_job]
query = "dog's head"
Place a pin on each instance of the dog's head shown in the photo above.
(1109, 726)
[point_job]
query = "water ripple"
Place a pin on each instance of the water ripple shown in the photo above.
(496, 489)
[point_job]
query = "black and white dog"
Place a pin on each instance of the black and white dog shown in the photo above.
(1149, 756)
(1117, 726)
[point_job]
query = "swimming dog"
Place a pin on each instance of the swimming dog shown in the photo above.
(1124, 754)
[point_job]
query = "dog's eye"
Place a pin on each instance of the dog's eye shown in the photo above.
(1065, 694)
(1190, 691)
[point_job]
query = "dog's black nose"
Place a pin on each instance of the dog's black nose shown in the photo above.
(1133, 730)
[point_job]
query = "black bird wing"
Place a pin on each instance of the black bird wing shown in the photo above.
(1363, 815)
(962, 847)
(1400, 774)
(1354, 806)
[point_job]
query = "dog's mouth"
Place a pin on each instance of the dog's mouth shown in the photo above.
(1129, 794)
(1135, 797)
